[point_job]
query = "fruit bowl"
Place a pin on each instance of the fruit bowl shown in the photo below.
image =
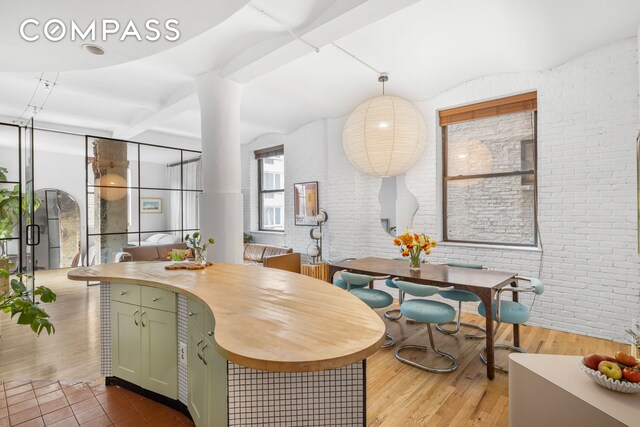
(608, 383)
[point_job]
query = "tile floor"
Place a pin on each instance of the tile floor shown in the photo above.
(65, 403)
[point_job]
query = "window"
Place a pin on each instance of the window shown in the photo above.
(489, 172)
(271, 188)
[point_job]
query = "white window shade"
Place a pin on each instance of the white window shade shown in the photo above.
(384, 136)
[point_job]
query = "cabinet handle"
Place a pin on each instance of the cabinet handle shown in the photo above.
(192, 313)
(154, 299)
(123, 293)
(134, 317)
(197, 352)
(202, 358)
(142, 321)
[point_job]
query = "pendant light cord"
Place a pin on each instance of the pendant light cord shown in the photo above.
(315, 48)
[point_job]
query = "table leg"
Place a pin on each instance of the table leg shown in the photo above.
(516, 327)
(332, 271)
(487, 298)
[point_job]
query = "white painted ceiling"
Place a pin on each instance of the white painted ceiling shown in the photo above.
(426, 47)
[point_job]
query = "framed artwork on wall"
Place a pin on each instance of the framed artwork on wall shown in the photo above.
(305, 203)
(150, 205)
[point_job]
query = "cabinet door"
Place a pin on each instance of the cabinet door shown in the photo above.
(198, 393)
(217, 376)
(125, 341)
(159, 351)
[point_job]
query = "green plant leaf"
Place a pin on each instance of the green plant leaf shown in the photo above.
(46, 294)
(17, 286)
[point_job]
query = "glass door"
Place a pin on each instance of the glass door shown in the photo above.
(29, 205)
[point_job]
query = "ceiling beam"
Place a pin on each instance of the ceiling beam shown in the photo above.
(338, 20)
(183, 100)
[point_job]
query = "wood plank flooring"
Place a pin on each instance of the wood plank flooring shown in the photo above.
(73, 352)
(398, 394)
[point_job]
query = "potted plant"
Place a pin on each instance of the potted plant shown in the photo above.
(199, 249)
(19, 301)
(10, 210)
(412, 245)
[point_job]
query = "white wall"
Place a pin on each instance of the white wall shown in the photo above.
(305, 159)
(588, 118)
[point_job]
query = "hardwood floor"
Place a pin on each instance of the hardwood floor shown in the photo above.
(398, 394)
(73, 352)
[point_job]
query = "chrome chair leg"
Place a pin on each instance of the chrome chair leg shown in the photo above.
(388, 315)
(390, 340)
(458, 323)
(450, 368)
(513, 348)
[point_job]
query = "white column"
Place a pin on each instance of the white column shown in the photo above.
(221, 203)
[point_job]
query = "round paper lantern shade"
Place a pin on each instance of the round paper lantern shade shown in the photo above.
(111, 187)
(384, 136)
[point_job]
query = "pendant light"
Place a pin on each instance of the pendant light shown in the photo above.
(385, 135)
(112, 187)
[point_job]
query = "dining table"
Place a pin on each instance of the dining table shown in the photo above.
(484, 283)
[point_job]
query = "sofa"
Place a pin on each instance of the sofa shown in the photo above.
(157, 239)
(255, 253)
(271, 256)
(148, 252)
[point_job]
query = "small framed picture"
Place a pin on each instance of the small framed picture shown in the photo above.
(150, 205)
(305, 201)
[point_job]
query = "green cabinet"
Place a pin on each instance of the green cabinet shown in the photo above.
(144, 340)
(206, 370)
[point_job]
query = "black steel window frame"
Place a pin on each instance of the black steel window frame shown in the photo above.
(533, 172)
(182, 190)
(262, 191)
(20, 189)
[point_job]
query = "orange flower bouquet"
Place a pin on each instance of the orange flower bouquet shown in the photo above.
(412, 245)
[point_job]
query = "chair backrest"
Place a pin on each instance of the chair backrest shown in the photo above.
(354, 279)
(466, 265)
(417, 290)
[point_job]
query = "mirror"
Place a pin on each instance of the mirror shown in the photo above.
(59, 220)
(397, 205)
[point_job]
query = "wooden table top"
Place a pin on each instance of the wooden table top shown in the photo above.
(438, 275)
(266, 319)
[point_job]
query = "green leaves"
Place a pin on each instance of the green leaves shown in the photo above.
(3, 173)
(20, 302)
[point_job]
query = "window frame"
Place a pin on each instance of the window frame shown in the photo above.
(534, 172)
(262, 191)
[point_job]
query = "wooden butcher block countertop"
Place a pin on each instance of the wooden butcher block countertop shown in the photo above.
(266, 319)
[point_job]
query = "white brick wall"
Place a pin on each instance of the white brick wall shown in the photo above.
(305, 159)
(587, 123)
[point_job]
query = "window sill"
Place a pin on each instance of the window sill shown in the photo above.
(487, 246)
(266, 232)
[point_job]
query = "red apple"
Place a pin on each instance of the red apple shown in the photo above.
(609, 359)
(625, 359)
(610, 370)
(592, 360)
(631, 374)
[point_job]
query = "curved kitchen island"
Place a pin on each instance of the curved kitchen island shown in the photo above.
(238, 345)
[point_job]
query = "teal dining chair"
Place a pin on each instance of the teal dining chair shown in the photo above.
(338, 281)
(391, 284)
(461, 296)
(514, 313)
(374, 298)
(425, 311)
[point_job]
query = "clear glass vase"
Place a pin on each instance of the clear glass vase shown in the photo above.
(414, 262)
